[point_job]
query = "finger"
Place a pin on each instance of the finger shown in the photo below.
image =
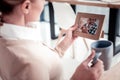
(75, 37)
(90, 57)
(99, 64)
(74, 27)
(98, 68)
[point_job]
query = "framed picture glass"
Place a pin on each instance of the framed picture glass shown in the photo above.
(89, 25)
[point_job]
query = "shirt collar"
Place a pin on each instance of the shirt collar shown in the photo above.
(10, 31)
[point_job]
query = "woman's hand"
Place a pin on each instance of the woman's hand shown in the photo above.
(69, 36)
(85, 72)
(67, 40)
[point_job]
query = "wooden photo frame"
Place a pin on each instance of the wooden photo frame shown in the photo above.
(89, 25)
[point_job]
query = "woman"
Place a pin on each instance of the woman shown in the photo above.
(24, 57)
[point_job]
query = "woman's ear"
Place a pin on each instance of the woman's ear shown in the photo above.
(26, 6)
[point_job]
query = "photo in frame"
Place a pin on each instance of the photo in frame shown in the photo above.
(89, 25)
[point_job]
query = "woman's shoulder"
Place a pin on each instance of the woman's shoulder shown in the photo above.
(24, 49)
(33, 53)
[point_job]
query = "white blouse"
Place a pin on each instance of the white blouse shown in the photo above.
(38, 50)
(15, 32)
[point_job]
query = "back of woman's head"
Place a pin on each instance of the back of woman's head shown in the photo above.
(7, 6)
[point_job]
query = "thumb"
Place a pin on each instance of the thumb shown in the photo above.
(90, 57)
(74, 27)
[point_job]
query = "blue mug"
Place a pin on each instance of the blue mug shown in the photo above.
(104, 47)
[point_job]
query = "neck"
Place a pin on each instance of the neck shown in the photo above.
(17, 20)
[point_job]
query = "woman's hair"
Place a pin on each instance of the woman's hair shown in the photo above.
(7, 6)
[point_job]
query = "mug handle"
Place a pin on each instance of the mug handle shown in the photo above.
(97, 55)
